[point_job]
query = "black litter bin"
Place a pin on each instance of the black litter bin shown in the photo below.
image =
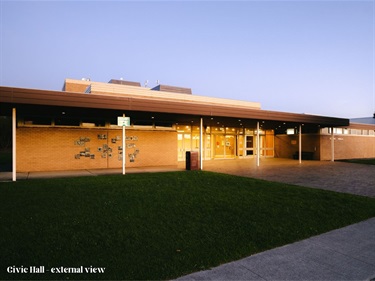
(192, 160)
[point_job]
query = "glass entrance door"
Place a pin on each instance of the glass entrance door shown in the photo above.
(230, 146)
(183, 144)
(249, 146)
(224, 146)
(219, 143)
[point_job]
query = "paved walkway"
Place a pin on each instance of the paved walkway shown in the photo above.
(7, 176)
(344, 254)
(351, 178)
(344, 177)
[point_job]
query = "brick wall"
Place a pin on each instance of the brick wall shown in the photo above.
(287, 145)
(51, 149)
(78, 86)
(348, 147)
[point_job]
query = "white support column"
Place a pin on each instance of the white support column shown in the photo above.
(201, 144)
(244, 143)
(123, 148)
(258, 145)
(14, 150)
(332, 145)
(300, 144)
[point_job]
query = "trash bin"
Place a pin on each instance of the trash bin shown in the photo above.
(192, 160)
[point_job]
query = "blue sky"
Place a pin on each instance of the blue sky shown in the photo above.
(312, 57)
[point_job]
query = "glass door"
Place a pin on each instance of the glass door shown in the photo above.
(249, 146)
(230, 146)
(183, 145)
(224, 146)
(219, 142)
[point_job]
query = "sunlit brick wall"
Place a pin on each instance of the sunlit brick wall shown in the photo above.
(51, 149)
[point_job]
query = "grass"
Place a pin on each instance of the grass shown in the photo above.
(367, 161)
(159, 226)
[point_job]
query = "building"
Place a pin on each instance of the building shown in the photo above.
(77, 128)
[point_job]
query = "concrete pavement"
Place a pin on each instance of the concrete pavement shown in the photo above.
(344, 254)
(343, 177)
(7, 176)
(337, 176)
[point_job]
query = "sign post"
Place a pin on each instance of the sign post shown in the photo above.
(123, 122)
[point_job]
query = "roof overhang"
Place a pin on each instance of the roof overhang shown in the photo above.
(181, 111)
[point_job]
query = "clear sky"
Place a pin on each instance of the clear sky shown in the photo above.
(301, 56)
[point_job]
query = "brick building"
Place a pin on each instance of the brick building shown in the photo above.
(77, 128)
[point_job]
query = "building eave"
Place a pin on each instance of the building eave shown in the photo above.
(14, 96)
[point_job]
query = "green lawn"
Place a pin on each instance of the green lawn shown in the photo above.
(159, 226)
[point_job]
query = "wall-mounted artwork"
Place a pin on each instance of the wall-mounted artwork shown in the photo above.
(131, 157)
(81, 141)
(131, 138)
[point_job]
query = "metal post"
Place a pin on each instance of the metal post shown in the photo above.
(244, 143)
(300, 144)
(332, 145)
(201, 144)
(123, 148)
(14, 150)
(258, 145)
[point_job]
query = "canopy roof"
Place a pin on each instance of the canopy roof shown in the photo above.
(35, 102)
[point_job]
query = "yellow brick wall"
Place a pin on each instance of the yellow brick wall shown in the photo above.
(78, 86)
(52, 149)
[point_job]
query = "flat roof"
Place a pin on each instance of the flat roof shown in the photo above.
(157, 93)
(176, 109)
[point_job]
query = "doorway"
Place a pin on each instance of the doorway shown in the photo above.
(183, 144)
(224, 146)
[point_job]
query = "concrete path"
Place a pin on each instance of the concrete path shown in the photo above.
(344, 254)
(7, 176)
(344, 177)
(337, 176)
